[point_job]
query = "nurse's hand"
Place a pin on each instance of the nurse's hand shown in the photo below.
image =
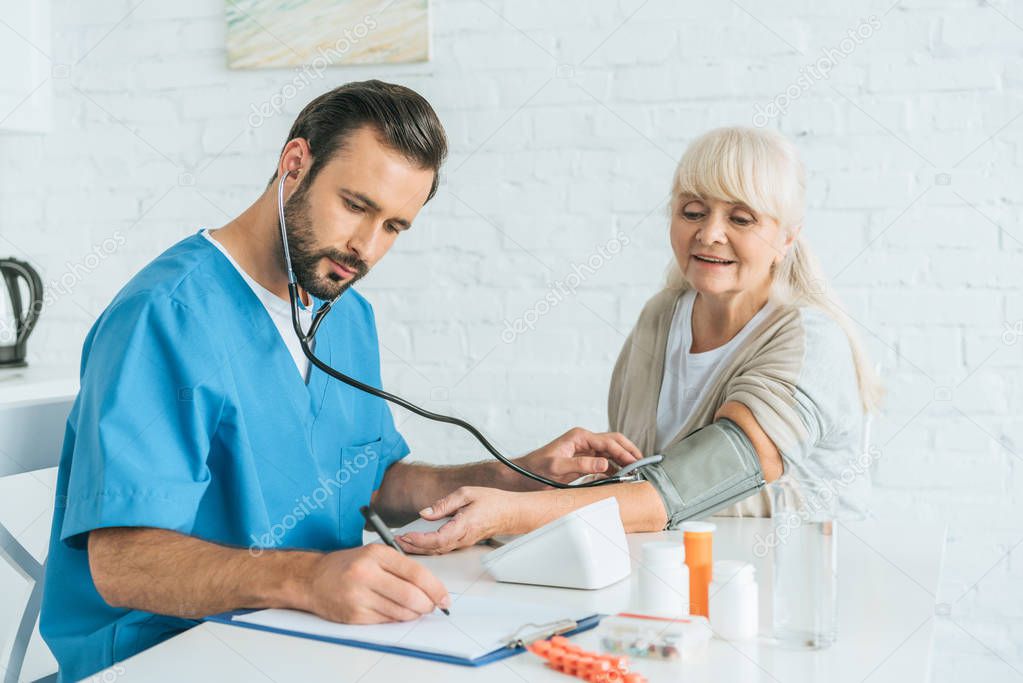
(576, 453)
(476, 512)
(371, 585)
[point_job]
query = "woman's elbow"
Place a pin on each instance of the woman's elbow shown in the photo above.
(771, 466)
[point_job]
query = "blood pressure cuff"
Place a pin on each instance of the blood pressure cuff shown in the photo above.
(711, 468)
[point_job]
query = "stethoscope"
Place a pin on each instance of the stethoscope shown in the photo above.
(627, 473)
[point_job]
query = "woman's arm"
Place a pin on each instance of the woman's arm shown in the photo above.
(770, 458)
(480, 513)
(407, 487)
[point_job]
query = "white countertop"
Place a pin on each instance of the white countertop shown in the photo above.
(35, 384)
(888, 578)
(34, 405)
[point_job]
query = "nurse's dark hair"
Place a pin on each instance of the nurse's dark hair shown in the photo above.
(403, 119)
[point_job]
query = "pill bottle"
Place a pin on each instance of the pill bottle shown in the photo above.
(734, 600)
(663, 588)
(699, 543)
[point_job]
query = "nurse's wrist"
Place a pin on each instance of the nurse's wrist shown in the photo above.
(290, 574)
(493, 475)
(510, 480)
(505, 477)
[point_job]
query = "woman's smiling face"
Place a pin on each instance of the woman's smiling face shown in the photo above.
(723, 247)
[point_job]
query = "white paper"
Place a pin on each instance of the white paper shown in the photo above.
(476, 627)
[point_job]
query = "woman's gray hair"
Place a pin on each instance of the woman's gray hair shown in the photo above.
(761, 168)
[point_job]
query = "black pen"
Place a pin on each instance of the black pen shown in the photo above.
(386, 536)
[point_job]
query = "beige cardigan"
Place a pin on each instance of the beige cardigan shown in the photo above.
(794, 372)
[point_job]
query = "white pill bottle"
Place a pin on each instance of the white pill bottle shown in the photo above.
(664, 580)
(734, 600)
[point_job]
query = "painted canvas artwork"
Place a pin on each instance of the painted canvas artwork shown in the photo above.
(271, 33)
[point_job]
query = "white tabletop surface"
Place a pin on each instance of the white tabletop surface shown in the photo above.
(37, 383)
(888, 577)
(34, 405)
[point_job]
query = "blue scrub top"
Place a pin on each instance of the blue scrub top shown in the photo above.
(192, 416)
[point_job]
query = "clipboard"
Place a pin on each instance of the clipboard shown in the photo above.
(517, 642)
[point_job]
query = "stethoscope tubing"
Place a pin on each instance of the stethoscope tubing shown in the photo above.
(306, 338)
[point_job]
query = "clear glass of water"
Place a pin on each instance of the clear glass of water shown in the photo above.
(805, 589)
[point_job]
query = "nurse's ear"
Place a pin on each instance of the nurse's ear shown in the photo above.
(294, 155)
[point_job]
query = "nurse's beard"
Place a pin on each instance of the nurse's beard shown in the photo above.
(306, 258)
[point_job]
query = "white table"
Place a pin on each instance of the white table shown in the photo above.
(888, 578)
(34, 405)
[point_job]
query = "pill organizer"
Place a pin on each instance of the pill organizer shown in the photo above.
(650, 637)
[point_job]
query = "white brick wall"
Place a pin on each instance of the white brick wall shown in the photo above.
(564, 128)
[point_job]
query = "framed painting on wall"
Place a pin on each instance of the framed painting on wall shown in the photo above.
(270, 33)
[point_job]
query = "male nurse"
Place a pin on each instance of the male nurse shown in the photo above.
(206, 467)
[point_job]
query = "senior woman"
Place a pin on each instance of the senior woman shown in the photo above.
(743, 346)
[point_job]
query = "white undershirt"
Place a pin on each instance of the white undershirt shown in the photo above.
(278, 309)
(687, 375)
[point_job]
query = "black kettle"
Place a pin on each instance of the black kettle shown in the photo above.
(19, 309)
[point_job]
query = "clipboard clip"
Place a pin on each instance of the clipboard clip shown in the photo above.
(530, 633)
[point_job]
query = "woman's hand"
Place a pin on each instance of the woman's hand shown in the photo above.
(576, 453)
(477, 513)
